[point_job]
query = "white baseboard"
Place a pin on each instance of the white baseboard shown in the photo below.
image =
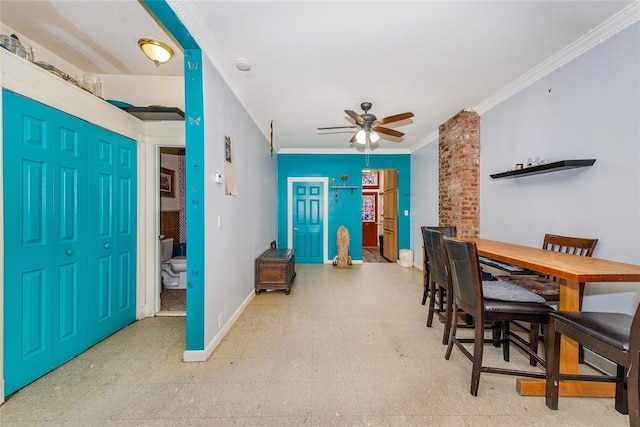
(203, 355)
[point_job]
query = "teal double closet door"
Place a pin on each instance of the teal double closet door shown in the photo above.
(69, 237)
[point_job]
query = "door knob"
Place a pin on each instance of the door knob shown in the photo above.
(295, 228)
(69, 252)
(106, 246)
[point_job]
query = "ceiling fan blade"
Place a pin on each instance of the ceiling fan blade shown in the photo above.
(388, 131)
(353, 138)
(355, 116)
(395, 118)
(338, 127)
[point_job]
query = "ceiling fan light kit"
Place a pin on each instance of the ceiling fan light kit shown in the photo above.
(362, 135)
(370, 127)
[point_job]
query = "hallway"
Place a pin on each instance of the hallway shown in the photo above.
(347, 347)
(372, 255)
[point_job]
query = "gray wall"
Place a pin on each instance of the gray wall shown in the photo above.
(249, 220)
(589, 108)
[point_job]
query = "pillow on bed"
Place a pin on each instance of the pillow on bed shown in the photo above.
(505, 291)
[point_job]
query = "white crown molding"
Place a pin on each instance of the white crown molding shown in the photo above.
(432, 137)
(602, 32)
(377, 151)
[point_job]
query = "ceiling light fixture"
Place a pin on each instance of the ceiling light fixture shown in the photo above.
(157, 51)
(366, 135)
(373, 136)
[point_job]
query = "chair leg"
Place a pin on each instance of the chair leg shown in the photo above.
(447, 319)
(633, 390)
(497, 334)
(454, 329)
(553, 366)
(506, 326)
(478, 347)
(621, 390)
(425, 292)
(432, 301)
(534, 334)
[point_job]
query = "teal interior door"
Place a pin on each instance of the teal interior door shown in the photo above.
(69, 194)
(112, 225)
(28, 240)
(307, 221)
(69, 237)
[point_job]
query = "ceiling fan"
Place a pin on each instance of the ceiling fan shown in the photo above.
(369, 125)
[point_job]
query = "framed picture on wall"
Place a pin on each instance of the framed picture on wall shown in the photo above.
(370, 179)
(167, 183)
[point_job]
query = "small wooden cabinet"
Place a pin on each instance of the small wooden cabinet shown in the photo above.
(275, 269)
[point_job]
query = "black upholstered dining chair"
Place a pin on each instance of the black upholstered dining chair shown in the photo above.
(496, 302)
(449, 231)
(438, 277)
(616, 337)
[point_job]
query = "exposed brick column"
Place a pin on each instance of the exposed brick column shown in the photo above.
(459, 173)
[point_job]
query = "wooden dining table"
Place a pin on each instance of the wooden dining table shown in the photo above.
(571, 270)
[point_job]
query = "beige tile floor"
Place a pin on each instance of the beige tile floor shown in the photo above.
(173, 302)
(345, 348)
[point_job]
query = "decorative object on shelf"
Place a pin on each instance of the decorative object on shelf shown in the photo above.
(533, 161)
(518, 166)
(119, 104)
(90, 83)
(55, 71)
(545, 168)
(12, 44)
(344, 179)
(157, 51)
(333, 182)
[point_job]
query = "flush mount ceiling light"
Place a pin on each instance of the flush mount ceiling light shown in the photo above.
(156, 50)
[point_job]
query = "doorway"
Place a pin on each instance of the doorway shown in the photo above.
(373, 216)
(171, 285)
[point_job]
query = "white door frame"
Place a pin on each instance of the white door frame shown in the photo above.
(325, 212)
(153, 174)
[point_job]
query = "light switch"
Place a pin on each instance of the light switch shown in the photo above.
(219, 222)
(406, 212)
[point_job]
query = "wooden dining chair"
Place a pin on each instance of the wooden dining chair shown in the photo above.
(614, 336)
(549, 286)
(449, 231)
(439, 279)
(490, 301)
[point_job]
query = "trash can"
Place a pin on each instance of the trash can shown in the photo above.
(406, 257)
(381, 239)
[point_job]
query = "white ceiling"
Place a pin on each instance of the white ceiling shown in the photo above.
(313, 60)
